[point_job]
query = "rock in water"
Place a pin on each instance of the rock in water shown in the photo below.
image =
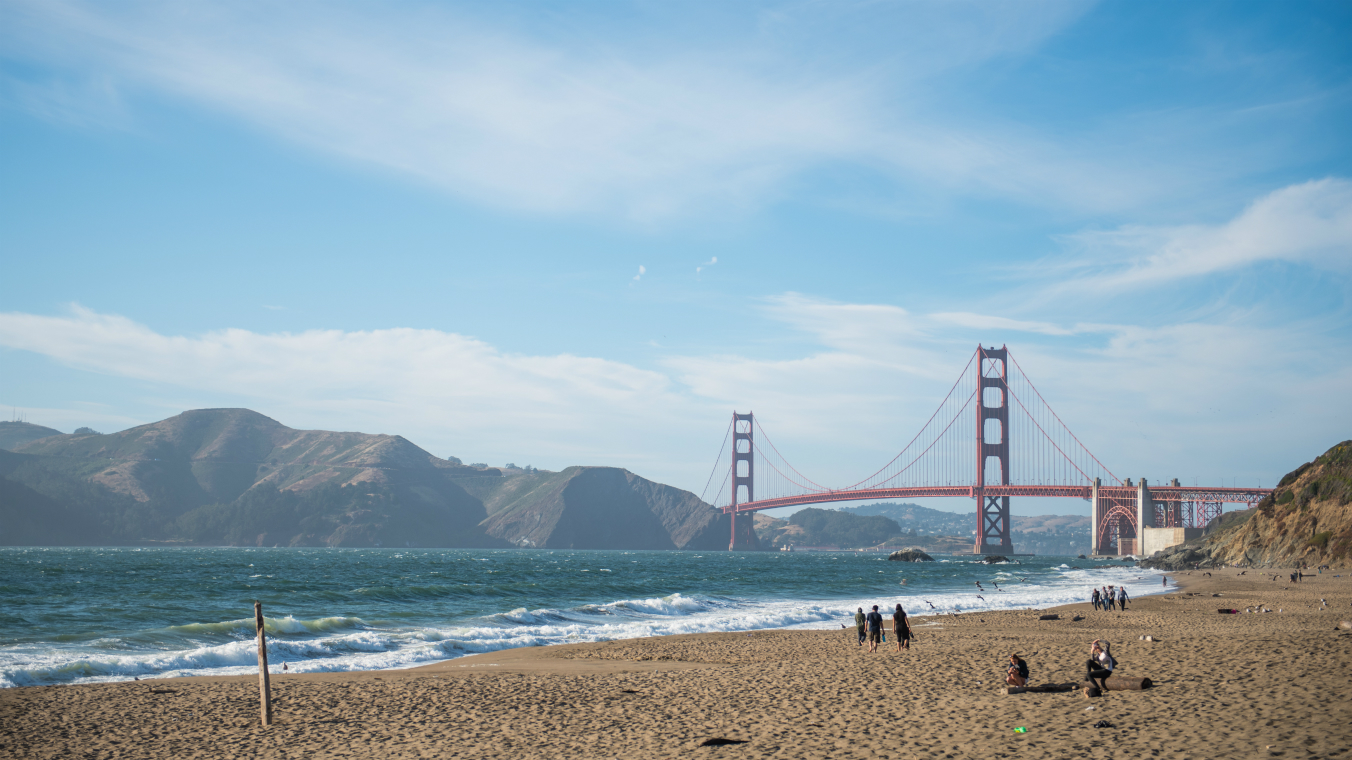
(910, 555)
(994, 558)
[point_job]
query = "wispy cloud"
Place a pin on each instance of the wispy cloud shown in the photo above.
(1308, 223)
(642, 270)
(543, 122)
(999, 324)
(706, 265)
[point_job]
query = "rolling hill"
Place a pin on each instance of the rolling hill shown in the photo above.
(236, 477)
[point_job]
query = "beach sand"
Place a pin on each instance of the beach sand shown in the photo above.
(1226, 686)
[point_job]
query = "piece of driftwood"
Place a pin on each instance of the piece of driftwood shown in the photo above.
(1050, 617)
(1042, 688)
(1124, 683)
(1091, 691)
(264, 688)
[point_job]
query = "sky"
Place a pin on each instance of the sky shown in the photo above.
(557, 233)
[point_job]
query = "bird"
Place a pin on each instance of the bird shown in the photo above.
(928, 602)
(982, 598)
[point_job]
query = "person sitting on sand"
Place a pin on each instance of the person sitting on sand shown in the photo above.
(875, 629)
(859, 623)
(1100, 664)
(901, 629)
(1017, 674)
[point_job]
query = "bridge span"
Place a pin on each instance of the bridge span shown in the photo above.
(992, 438)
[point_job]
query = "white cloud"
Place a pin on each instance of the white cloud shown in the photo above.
(441, 386)
(550, 123)
(641, 271)
(706, 265)
(1308, 223)
(1165, 402)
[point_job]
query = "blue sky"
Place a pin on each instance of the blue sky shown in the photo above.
(560, 233)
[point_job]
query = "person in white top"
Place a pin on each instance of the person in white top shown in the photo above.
(1101, 663)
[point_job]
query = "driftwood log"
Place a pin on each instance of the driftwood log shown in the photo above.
(1050, 617)
(1124, 683)
(1042, 688)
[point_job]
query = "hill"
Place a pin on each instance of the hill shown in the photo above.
(825, 527)
(236, 477)
(16, 433)
(1306, 521)
(1054, 535)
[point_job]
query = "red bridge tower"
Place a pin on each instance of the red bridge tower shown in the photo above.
(992, 442)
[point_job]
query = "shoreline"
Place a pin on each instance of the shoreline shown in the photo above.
(947, 600)
(1268, 685)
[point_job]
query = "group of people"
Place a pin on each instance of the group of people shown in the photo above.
(1106, 598)
(1099, 667)
(870, 627)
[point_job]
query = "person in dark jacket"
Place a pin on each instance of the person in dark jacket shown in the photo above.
(901, 629)
(875, 628)
(1095, 598)
(859, 624)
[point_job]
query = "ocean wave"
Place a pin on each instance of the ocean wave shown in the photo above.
(272, 626)
(377, 640)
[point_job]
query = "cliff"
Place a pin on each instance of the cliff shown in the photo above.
(1306, 521)
(236, 477)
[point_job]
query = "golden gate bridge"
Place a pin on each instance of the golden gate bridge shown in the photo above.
(993, 437)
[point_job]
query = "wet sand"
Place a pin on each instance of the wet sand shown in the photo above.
(1274, 684)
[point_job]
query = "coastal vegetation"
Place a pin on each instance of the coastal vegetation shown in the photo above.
(1307, 520)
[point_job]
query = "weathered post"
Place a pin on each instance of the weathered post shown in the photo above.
(264, 689)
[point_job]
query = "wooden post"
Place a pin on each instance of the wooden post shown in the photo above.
(264, 689)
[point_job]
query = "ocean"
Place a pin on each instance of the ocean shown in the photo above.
(80, 615)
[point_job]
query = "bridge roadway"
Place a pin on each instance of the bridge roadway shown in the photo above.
(1250, 496)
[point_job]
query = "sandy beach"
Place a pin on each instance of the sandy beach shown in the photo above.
(1273, 684)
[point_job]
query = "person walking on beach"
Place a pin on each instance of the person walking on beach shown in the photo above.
(901, 629)
(1108, 602)
(875, 629)
(859, 624)
(1122, 598)
(1095, 599)
(1100, 664)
